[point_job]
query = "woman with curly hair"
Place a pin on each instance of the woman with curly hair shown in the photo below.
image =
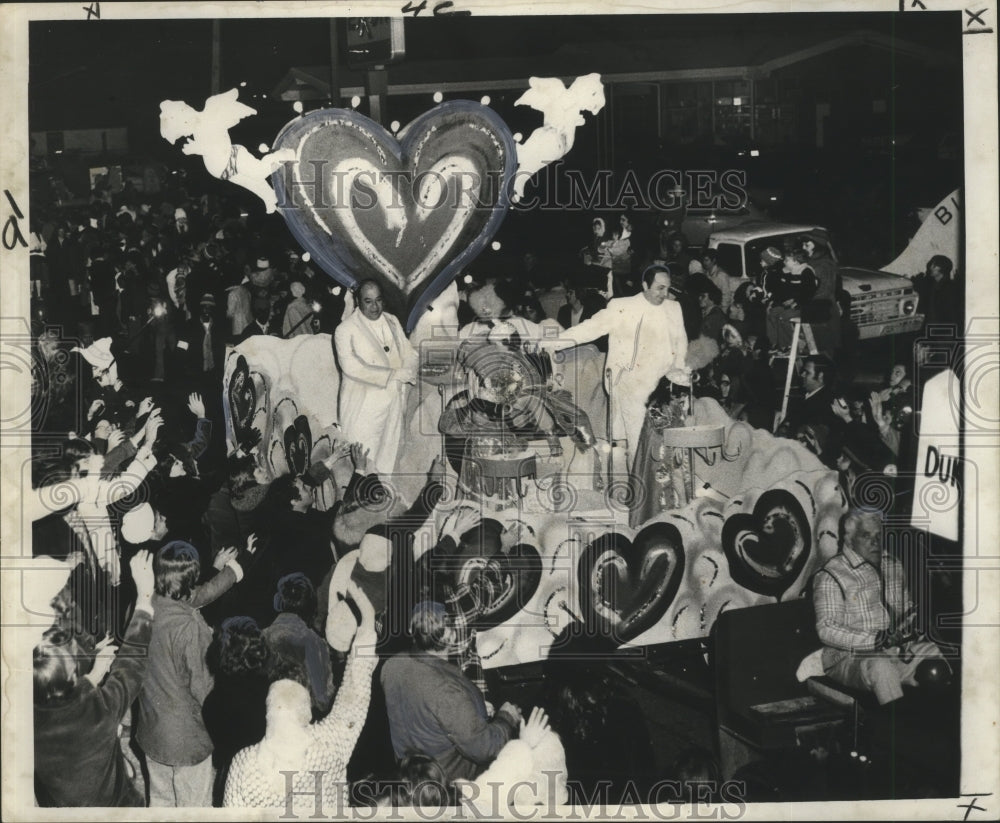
(234, 711)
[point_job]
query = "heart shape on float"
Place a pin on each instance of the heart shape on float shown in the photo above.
(410, 214)
(768, 549)
(298, 445)
(242, 395)
(626, 586)
(505, 581)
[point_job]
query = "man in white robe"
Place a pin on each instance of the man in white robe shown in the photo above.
(646, 339)
(377, 364)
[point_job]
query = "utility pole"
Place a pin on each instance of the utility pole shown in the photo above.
(334, 62)
(216, 56)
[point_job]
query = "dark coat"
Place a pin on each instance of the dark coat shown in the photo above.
(436, 710)
(78, 759)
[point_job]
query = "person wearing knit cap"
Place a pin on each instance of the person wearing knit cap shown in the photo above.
(297, 313)
(114, 402)
(142, 524)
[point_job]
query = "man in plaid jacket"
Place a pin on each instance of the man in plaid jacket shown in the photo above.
(864, 615)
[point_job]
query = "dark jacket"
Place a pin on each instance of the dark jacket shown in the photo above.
(434, 709)
(171, 730)
(194, 336)
(78, 759)
(290, 639)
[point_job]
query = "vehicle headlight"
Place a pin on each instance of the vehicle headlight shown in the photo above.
(909, 306)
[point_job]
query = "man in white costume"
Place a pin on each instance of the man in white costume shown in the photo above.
(377, 363)
(646, 339)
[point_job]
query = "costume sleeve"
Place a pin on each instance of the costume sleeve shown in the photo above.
(597, 326)
(339, 731)
(354, 365)
(410, 357)
(121, 686)
(831, 626)
(678, 337)
(467, 728)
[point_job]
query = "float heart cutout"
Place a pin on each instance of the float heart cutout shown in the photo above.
(505, 581)
(768, 549)
(242, 396)
(514, 579)
(298, 445)
(626, 586)
(409, 214)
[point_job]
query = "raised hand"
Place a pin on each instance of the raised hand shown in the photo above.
(360, 459)
(224, 557)
(104, 656)
(459, 522)
(196, 405)
(142, 574)
(153, 424)
(115, 439)
(145, 406)
(534, 728)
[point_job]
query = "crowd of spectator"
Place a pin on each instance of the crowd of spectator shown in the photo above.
(214, 581)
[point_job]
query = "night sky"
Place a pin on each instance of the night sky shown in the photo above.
(88, 75)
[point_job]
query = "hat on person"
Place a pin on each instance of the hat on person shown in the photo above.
(137, 525)
(263, 263)
(735, 332)
(98, 353)
(207, 299)
(771, 256)
(180, 214)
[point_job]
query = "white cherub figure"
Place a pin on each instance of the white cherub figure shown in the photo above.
(563, 111)
(208, 135)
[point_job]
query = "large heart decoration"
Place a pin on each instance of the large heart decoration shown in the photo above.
(298, 445)
(409, 214)
(626, 586)
(768, 549)
(511, 577)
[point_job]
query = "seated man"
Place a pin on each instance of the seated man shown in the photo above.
(864, 615)
(435, 710)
